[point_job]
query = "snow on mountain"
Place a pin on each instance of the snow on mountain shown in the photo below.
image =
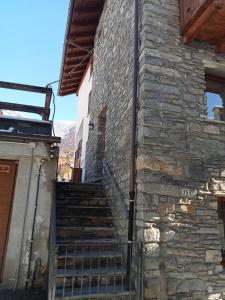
(11, 113)
(66, 130)
(63, 128)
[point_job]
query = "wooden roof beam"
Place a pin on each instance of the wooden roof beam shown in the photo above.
(83, 22)
(71, 85)
(65, 92)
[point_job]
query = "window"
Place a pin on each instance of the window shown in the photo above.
(214, 107)
(215, 94)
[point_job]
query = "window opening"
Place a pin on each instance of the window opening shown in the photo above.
(100, 153)
(215, 96)
(214, 107)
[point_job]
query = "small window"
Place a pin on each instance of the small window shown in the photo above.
(215, 95)
(214, 107)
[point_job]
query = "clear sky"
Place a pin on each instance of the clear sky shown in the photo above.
(32, 36)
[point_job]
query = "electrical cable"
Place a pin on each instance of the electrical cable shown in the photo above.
(74, 69)
(72, 43)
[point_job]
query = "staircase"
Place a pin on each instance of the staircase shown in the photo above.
(90, 260)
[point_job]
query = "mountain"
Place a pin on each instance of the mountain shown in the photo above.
(62, 128)
(66, 130)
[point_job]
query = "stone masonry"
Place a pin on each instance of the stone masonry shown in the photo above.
(112, 82)
(180, 153)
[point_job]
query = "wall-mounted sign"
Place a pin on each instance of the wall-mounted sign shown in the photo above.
(189, 193)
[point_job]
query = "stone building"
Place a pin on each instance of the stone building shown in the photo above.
(180, 151)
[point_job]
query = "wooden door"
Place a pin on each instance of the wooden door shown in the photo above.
(7, 182)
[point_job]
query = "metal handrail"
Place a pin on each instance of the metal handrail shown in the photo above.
(116, 190)
(52, 248)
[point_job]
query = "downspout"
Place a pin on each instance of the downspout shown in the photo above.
(33, 227)
(25, 218)
(133, 141)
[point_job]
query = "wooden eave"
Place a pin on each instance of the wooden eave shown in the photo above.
(82, 23)
(203, 20)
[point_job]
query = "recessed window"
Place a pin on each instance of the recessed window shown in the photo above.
(214, 107)
(215, 94)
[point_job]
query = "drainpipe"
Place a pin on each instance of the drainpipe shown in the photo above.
(25, 217)
(33, 227)
(133, 141)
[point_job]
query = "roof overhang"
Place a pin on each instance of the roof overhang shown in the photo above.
(82, 23)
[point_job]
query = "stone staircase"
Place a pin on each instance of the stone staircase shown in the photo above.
(90, 259)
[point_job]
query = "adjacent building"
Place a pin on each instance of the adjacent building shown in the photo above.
(28, 165)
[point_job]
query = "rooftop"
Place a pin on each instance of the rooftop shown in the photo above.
(23, 129)
(81, 28)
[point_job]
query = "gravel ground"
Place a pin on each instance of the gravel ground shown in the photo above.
(22, 295)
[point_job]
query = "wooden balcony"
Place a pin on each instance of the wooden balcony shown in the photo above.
(203, 20)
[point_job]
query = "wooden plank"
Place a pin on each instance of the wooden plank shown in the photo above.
(215, 78)
(22, 107)
(194, 30)
(220, 47)
(25, 87)
(47, 107)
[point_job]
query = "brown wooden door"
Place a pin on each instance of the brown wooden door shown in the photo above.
(7, 181)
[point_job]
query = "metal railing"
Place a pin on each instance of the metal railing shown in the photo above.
(93, 271)
(115, 189)
(52, 249)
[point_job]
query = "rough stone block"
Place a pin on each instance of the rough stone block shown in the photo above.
(212, 256)
(159, 164)
(166, 209)
(191, 285)
(187, 209)
(212, 129)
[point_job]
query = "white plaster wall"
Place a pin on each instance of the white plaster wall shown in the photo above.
(83, 97)
(29, 157)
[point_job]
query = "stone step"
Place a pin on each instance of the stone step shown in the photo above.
(83, 211)
(85, 232)
(79, 262)
(95, 293)
(75, 194)
(88, 242)
(84, 220)
(90, 247)
(90, 272)
(81, 207)
(86, 201)
(82, 186)
(93, 255)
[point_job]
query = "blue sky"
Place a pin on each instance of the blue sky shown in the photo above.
(32, 35)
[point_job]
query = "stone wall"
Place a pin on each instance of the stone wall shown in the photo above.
(181, 162)
(181, 154)
(111, 90)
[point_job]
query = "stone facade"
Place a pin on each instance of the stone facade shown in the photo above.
(111, 94)
(180, 154)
